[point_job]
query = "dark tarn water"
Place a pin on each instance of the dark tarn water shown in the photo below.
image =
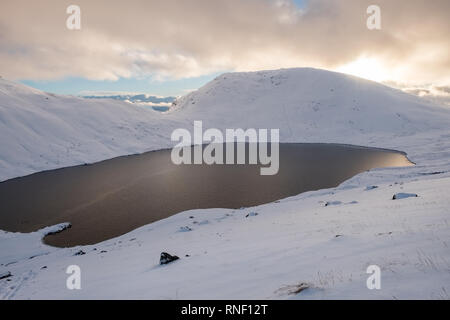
(113, 197)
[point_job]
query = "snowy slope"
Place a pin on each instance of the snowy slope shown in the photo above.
(290, 242)
(310, 104)
(40, 131)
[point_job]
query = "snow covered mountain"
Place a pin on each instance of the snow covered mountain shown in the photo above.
(40, 131)
(155, 102)
(310, 105)
(135, 98)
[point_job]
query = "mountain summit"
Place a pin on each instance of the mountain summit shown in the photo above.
(309, 104)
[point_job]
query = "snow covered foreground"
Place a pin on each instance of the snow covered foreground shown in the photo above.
(296, 242)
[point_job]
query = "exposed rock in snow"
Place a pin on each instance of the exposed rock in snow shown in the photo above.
(402, 195)
(251, 214)
(167, 258)
(293, 289)
(333, 203)
(185, 229)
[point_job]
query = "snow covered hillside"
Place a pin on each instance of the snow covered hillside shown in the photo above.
(40, 131)
(310, 104)
(296, 248)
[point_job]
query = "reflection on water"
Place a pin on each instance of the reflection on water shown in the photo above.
(110, 198)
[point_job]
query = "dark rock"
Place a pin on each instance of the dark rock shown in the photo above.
(432, 173)
(332, 203)
(79, 253)
(399, 196)
(167, 258)
(5, 275)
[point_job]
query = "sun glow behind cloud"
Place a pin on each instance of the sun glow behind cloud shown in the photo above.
(367, 68)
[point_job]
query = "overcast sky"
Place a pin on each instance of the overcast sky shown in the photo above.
(172, 46)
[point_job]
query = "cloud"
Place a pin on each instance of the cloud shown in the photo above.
(437, 94)
(179, 39)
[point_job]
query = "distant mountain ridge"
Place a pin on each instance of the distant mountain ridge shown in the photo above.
(137, 98)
